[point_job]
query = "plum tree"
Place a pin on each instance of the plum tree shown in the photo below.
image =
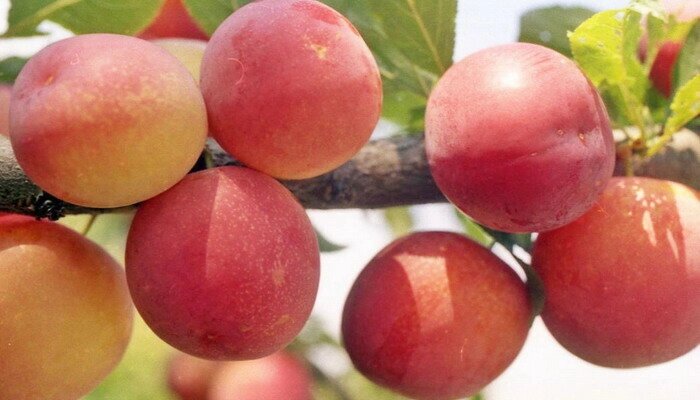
(189, 51)
(173, 21)
(224, 265)
(622, 283)
(503, 147)
(279, 376)
(106, 101)
(5, 91)
(435, 316)
(65, 312)
(190, 377)
(291, 88)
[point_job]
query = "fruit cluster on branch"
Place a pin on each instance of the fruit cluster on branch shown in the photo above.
(385, 173)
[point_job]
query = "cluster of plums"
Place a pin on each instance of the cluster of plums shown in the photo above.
(223, 264)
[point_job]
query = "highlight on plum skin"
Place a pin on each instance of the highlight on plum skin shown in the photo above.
(173, 21)
(435, 316)
(518, 138)
(65, 311)
(224, 265)
(622, 283)
(106, 120)
(291, 88)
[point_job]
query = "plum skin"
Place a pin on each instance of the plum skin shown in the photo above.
(224, 265)
(291, 88)
(518, 138)
(106, 120)
(5, 91)
(435, 316)
(622, 282)
(65, 311)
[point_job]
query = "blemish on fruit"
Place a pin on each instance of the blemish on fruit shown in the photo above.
(321, 51)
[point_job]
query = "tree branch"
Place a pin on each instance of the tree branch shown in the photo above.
(385, 173)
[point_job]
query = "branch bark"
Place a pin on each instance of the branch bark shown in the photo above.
(385, 173)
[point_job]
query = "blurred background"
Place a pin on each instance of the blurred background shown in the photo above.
(543, 370)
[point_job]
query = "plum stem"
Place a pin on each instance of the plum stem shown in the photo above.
(89, 224)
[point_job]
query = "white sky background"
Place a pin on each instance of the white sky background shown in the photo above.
(543, 370)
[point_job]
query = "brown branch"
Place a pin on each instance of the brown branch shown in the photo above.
(385, 173)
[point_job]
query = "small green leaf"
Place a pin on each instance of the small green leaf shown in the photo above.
(325, 245)
(413, 42)
(82, 16)
(688, 64)
(474, 230)
(10, 68)
(684, 107)
(605, 47)
(548, 26)
(399, 220)
(209, 14)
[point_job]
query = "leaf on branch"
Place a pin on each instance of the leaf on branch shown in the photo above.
(209, 14)
(688, 64)
(474, 231)
(81, 16)
(413, 42)
(399, 220)
(605, 47)
(548, 26)
(10, 67)
(685, 106)
(325, 245)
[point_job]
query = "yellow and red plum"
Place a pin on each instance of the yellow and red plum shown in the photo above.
(280, 376)
(106, 120)
(518, 138)
(173, 21)
(224, 265)
(291, 88)
(65, 312)
(435, 316)
(622, 282)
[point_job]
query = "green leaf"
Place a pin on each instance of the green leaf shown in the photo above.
(685, 106)
(688, 64)
(413, 42)
(325, 245)
(209, 14)
(548, 26)
(474, 230)
(82, 16)
(399, 220)
(605, 47)
(10, 67)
